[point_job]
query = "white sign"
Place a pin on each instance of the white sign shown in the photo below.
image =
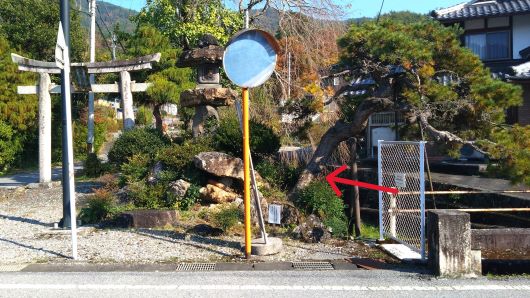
(275, 214)
(61, 50)
(400, 179)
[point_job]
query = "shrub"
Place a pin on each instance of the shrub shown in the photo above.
(148, 196)
(10, 146)
(179, 157)
(318, 198)
(278, 174)
(102, 205)
(263, 140)
(227, 217)
(93, 166)
(144, 116)
(135, 169)
(190, 199)
(137, 141)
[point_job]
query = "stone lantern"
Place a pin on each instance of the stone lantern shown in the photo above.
(208, 94)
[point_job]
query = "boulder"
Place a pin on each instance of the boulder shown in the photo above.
(219, 164)
(210, 54)
(253, 212)
(179, 188)
(154, 173)
(215, 97)
(224, 166)
(214, 194)
(312, 230)
(202, 114)
(147, 218)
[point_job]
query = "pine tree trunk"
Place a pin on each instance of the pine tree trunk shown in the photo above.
(158, 117)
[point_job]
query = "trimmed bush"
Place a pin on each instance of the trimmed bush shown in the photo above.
(318, 198)
(137, 141)
(228, 138)
(179, 157)
(101, 206)
(148, 196)
(278, 174)
(136, 169)
(93, 166)
(227, 217)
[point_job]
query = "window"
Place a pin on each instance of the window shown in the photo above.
(491, 45)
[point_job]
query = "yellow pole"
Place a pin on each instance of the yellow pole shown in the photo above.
(246, 165)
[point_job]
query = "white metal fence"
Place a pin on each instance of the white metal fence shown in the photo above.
(402, 216)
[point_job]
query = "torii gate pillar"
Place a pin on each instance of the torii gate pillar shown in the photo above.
(126, 100)
(45, 129)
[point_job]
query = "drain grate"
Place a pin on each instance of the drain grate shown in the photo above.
(312, 266)
(196, 267)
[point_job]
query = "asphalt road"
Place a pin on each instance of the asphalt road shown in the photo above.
(356, 283)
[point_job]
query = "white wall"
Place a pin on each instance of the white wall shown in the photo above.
(521, 34)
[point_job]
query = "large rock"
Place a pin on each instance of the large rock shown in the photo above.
(219, 164)
(179, 188)
(215, 97)
(147, 218)
(211, 54)
(214, 194)
(313, 230)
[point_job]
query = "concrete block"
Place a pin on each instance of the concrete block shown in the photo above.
(259, 248)
(500, 239)
(449, 240)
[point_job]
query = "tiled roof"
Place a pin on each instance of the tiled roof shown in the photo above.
(482, 8)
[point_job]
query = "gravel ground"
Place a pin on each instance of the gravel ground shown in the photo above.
(26, 236)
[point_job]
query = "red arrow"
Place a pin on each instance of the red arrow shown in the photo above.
(333, 179)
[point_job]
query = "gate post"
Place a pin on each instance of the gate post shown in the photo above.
(380, 182)
(392, 213)
(422, 199)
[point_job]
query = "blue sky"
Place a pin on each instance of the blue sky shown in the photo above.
(355, 9)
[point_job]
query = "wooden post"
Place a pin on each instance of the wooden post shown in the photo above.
(355, 205)
(127, 100)
(45, 129)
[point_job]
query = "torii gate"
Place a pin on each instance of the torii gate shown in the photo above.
(45, 88)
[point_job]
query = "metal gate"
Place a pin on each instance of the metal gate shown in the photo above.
(402, 216)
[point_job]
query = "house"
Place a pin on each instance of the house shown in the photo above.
(499, 33)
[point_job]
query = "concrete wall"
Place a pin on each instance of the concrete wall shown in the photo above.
(500, 239)
(521, 34)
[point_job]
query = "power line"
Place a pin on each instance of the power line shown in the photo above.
(380, 10)
(105, 24)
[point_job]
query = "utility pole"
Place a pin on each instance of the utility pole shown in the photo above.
(69, 213)
(90, 134)
(114, 39)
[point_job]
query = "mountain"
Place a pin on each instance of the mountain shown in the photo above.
(107, 16)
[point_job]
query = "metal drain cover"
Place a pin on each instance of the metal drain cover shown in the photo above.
(312, 266)
(196, 267)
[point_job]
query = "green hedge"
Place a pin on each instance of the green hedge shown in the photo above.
(137, 141)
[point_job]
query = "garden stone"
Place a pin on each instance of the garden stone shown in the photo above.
(313, 230)
(215, 97)
(155, 173)
(254, 215)
(179, 188)
(214, 194)
(223, 165)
